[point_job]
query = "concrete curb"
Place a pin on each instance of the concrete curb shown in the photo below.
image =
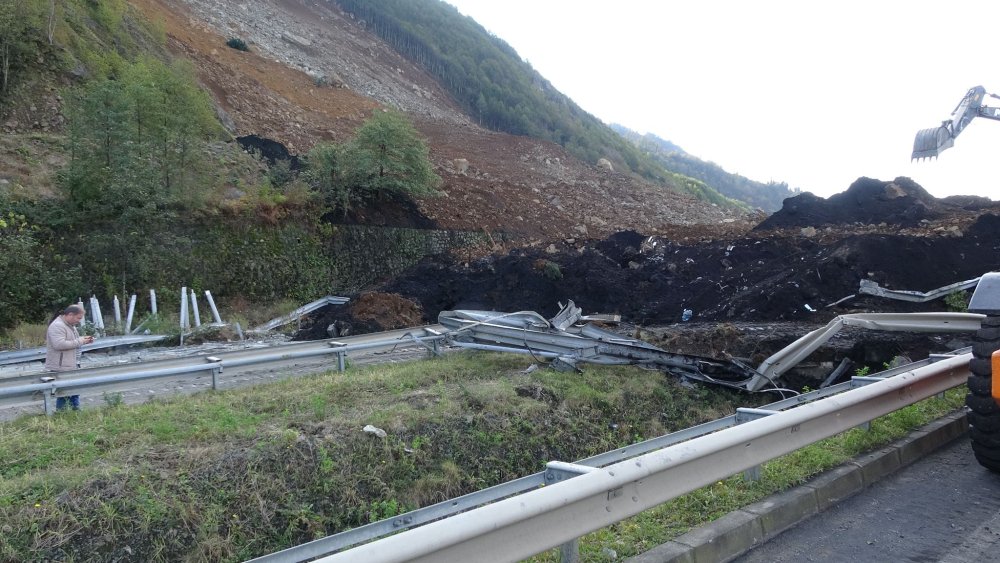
(741, 530)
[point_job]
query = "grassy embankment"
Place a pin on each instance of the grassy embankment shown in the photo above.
(230, 475)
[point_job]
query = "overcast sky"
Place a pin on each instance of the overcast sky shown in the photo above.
(815, 95)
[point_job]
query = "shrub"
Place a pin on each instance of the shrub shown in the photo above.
(238, 44)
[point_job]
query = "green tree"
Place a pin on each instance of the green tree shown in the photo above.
(325, 173)
(37, 279)
(387, 158)
(133, 138)
(20, 29)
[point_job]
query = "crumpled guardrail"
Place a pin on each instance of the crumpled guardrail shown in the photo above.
(872, 288)
(567, 344)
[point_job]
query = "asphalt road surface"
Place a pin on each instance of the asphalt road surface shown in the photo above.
(944, 508)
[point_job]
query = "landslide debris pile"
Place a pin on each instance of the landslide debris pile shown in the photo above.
(652, 282)
(777, 274)
(868, 201)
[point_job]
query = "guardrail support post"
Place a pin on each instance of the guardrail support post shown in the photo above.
(861, 381)
(341, 361)
(746, 415)
(47, 399)
(569, 552)
(215, 371)
(435, 349)
(556, 471)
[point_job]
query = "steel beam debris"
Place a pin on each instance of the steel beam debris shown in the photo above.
(570, 344)
(872, 288)
(298, 313)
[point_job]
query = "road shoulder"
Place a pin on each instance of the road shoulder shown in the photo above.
(741, 530)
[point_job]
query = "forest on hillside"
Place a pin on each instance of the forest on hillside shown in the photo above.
(767, 196)
(501, 91)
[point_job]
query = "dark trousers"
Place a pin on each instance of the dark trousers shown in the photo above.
(73, 400)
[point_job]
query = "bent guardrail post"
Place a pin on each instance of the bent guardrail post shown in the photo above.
(211, 305)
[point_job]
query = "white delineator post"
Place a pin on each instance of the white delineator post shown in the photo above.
(128, 317)
(211, 305)
(194, 309)
(184, 308)
(152, 301)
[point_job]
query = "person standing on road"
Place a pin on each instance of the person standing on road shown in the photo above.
(62, 348)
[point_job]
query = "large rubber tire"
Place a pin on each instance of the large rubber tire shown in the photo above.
(984, 415)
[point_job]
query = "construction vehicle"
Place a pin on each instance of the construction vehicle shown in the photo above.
(983, 399)
(930, 142)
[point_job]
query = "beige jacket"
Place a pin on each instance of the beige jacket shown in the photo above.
(62, 344)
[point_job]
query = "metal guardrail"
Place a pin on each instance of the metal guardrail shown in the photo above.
(789, 356)
(489, 525)
(98, 379)
(35, 354)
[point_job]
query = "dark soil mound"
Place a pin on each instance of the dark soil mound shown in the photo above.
(270, 150)
(368, 312)
(775, 278)
(900, 202)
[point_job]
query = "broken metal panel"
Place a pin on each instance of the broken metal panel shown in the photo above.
(789, 356)
(298, 313)
(872, 288)
(460, 319)
(567, 316)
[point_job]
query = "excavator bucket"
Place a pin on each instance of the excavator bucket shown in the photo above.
(930, 142)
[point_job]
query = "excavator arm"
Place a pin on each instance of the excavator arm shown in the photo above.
(930, 142)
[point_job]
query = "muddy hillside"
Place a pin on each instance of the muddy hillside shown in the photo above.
(802, 264)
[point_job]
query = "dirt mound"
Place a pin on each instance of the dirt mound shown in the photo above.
(900, 202)
(368, 312)
(652, 281)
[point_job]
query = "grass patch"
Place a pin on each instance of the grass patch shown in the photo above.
(26, 335)
(228, 476)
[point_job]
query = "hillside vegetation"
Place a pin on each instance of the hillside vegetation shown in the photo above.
(150, 195)
(501, 91)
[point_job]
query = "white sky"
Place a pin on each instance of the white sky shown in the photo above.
(815, 95)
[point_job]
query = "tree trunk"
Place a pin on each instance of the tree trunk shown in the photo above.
(52, 19)
(4, 63)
